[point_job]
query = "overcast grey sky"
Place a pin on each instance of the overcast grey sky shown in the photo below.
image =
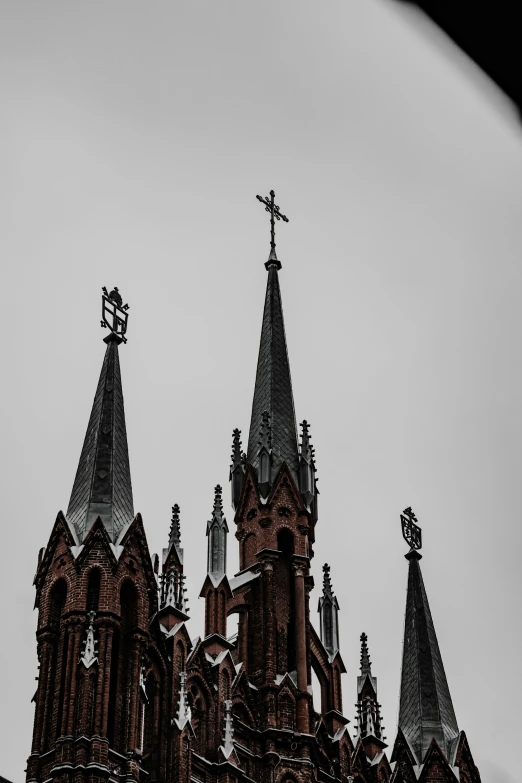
(135, 137)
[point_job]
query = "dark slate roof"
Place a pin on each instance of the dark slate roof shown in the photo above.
(426, 710)
(273, 389)
(102, 486)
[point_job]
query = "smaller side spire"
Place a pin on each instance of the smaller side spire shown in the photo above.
(264, 454)
(369, 720)
(237, 469)
(328, 609)
(217, 530)
(172, 591)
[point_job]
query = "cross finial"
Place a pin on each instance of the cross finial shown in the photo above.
(275, 214)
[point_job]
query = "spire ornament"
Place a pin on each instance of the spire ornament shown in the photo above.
(366, 664)
(411, 532)
(175, 529)
(275, 214)
(114, 314)
(328, 609)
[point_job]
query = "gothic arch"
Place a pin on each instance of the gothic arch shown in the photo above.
(285, 540)
(241, 711)
(322, 676)
(200, 709)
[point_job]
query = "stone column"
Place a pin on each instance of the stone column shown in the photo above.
(269, 641)
(300, 646)
(73, 630)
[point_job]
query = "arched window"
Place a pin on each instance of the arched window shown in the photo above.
(121, 675)
(129, 606)
(93, 590)
(57, 603)
(285, 542)
(285, 608)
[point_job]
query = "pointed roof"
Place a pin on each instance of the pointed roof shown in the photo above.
(273, 388)
(102, 486)
(426, 710)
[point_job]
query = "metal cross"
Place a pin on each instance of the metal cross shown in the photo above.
(275, 214)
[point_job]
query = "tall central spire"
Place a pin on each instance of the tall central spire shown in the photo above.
(102, 487)
(273, 387)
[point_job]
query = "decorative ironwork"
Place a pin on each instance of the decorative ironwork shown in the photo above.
(411, 532)
(275, 214)
(114, 313)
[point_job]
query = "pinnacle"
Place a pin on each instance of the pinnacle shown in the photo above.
(218, 501)
(236, 447)
(366, 664)
(327, 582)
(175, 529)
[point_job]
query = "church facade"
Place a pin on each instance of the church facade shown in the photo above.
(126, 693)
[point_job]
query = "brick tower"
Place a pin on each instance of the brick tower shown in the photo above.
(125, 694)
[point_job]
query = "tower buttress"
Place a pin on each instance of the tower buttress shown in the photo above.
(96, 595)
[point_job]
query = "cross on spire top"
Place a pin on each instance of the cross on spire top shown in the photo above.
(275, 214)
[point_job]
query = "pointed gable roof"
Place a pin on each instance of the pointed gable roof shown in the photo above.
(426, 710)
(273, 388)
(102, 486)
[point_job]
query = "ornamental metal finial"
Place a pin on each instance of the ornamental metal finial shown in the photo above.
(275, 214)
(411, 532)
(114, 313)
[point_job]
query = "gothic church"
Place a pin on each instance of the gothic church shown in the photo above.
(125, 690)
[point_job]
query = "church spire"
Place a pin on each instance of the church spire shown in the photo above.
(328, 614)
(217, 530)
(102, 487)
(369, 720)
(426, 710)
(273, 387)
